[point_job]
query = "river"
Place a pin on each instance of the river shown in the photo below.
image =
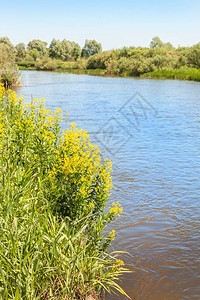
(150, 129)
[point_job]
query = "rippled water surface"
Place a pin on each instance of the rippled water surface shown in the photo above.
(150, 129)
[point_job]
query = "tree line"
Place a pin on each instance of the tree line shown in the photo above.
(68, 55)
(135, 61)
(37, 50)
(64, 50)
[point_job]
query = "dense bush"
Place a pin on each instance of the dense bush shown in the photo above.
(46, 64)
(9, 74)
(21, 50)
(90, 48)
(98, 61)
(64, 50)
(37, 48)
(194, 56)
(53, 191)
(134, 61)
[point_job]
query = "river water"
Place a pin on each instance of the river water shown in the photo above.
(150, 129)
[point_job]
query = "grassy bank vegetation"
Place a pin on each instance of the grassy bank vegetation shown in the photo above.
(183, 73)
(48, 64)
(53, 193)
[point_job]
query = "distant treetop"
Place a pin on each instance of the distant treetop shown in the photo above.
(91, 47)
(157, 43)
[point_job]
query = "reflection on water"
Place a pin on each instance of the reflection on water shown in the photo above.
(156, 173)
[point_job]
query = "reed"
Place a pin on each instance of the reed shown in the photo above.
(184, 73)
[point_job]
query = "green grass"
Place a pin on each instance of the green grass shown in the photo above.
(183, 73)
(26, 65)
(53, 193)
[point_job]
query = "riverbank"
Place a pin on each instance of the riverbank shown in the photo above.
(150, 179)
(182, 73)
(59, 67)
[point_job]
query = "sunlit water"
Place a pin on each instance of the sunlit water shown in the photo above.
(153, 139)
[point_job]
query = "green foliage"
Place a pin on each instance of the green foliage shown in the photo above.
(129, 66)
(81, 63)
(64, 50)
(183, 73)
(157, 43)
(54, 49)
(182, 56)
(53, 191)
(10, 46)
(129, 61)
(37, 48)
(9, 74)
(91, 47)
(21, 50)
(168, 46)
(34, 54)
(46, 64)
(76, 51)
(133, 61)
(26, 65)
(98, 61)
(194, 56)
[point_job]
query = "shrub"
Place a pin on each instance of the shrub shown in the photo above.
(46, 64)
(9, 74)
(98, 61)
(194, 56)
(112, 66)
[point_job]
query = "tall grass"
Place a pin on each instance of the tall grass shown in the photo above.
(184, 73)
(53, 192)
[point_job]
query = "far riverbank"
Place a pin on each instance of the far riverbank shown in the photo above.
(182, 73)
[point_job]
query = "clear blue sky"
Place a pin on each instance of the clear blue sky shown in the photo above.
(114, 23)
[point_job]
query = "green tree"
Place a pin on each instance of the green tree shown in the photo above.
(156, 42)
(54, 49)
(194, 56)
(91, 47)
(76, 51)
(37, 48)
(21, 50)
(9, 74)
(64, 50)
(34, 54)
(168, 46)
(11, 47)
